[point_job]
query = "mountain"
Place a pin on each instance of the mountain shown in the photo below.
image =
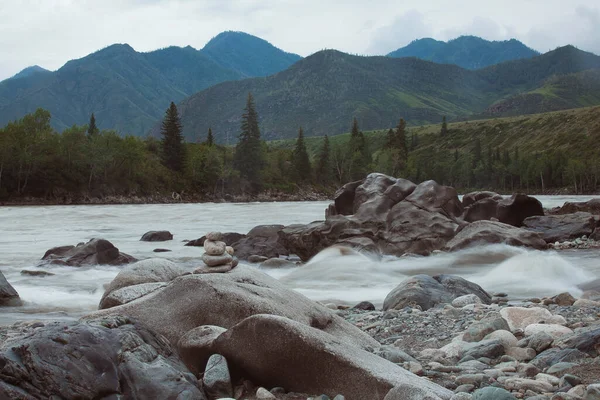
(128, 90)
(469, 52)
(29, 71)
(324, 91)
(248, 55)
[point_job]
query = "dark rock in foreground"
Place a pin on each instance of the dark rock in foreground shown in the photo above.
(8, 294)
(94, 252)
(157, 236)
(487, 232)
(562, 227)
(426, 292)
(491, 206)
(101, 359)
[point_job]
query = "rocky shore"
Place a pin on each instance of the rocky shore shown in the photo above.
(223, 330)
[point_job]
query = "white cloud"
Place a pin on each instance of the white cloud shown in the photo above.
(50, 32)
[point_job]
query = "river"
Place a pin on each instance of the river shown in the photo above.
(27, 232)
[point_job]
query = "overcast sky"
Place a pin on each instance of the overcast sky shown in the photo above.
(51, 32)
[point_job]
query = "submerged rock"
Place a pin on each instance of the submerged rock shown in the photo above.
(157, 236)
(94, 252)
(8, 294)
(92, 360)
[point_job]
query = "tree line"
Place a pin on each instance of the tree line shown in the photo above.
(83, 161)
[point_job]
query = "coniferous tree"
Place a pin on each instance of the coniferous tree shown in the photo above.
(92, 128)
(324, 165)
(209, 138)
(401, 138)
(249, 157)
(444, 130)
(173, 150)
(300, 158)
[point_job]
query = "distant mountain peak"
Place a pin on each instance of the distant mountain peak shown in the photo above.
(26, 72)
(467, 51)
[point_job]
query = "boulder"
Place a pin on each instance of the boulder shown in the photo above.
(515, 209)
(94, 252)
(488, 232)
(471, 198)
(126, 294)
(484, 209)
(216, 378)
(585, 339)
(344, 198)
(561, 228)
(224, 300)
(521, 317)
(426, 291)
(553, 330)
(99, 359)
(152, 270)
(8, 294)
(262, 240)
(195, 347)
(555, 355)
(157, 236)
(434, 197)
(378, 193)
(323, 363)
(483, 328)
(276, 263)
(591, 206)
(228, 237)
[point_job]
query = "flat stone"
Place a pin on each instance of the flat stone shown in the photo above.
(216, 379)
(492, 393)
(467, 299)
(215, 261)
(521, 317)
(553, 330)
(527, 384)
(507, 339)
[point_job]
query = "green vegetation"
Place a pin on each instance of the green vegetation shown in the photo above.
(173, 151)
(127, 90)
(468, 52)
(321, 92)
(249, 157)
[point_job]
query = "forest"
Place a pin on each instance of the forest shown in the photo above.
(547, 153)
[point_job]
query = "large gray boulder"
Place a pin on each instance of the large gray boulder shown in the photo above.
(471, 198)
(157, 236)
(100, 359)
(262, 240)
(591, 206)
(515, 209)
(308, 360)
(139, 279)
(426, 291)
(223, 300)
(487, 232)
(8, 294)
(563, 227)
(94, 252)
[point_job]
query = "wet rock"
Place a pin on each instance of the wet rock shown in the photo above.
(156, 236)
(515, 209)
(489, 232)
(36, 273)
(324, 364)
(426, 291)
(226, 299)
(586, 340)
(93, 360)
(365, 305)
(161, 250)
(94, 252)
(262, 240)
(228, 237)
(555, 355)
(561, 228)
(127, 294)
(216, 378)
(591, 206)
(8, 294)
(277, 263)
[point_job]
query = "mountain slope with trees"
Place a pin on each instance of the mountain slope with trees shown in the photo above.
(321, 91)
(128, 91)
(469, 52)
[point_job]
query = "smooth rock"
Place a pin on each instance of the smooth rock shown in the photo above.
(215, 261)
(8, 294)
(214, 270)
(564, 299)
(214, 236)
(520, 317)
(467, 299)
(527, 384)
(492, 393)
(506, 338)
(364, 305)
(554, 355)
(585, 303)
(94, 252)
(592, 392)
(127, 294)
(323, 363)
(195, 346)
(216, 378)
(479, 329)
(213, 248)
(157, 236)
(562, 228)
(586, 340)
(262, 240)
(264, 394)
(540, 341)
(481, 233)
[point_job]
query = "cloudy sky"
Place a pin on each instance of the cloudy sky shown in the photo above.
(51, 32)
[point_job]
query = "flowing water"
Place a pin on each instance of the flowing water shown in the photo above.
(27, 232)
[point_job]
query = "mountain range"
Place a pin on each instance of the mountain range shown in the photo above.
(323, 92)
(469, 52)
(129, 91)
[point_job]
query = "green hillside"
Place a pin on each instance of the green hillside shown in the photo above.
(469, 52)
(323, 92)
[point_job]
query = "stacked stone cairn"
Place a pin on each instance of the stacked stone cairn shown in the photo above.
(217, 257)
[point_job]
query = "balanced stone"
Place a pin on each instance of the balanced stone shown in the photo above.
(215, 261)
(214, 236)
(213, 248)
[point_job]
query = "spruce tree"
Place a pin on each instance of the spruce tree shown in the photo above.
(324, 164)
(92, 128)
(301, 160)
(249, 157)
(444, 130)
(173, 150)
(400, 143)
(209, 138)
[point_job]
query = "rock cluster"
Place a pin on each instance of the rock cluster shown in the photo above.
(94, 252)
(217, 256)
